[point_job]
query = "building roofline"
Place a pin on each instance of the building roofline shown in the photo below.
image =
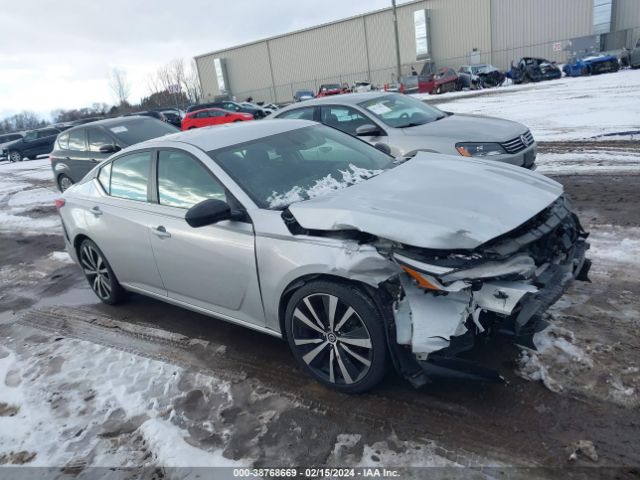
(301, 30)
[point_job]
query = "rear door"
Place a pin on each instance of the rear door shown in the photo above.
(76, 155)
(119, 221)
(211, 267)
(217, 117)
(45, 141)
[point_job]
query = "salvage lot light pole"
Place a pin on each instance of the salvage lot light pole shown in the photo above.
(395, 31)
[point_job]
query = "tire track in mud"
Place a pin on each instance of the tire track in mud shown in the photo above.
(376, 410)
(593, 146)
(466, 421)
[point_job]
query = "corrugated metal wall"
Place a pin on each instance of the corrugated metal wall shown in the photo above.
(530, 28)
(627, 17)
(362, 47)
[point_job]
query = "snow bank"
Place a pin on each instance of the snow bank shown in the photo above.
(564, 109)
(588, 162)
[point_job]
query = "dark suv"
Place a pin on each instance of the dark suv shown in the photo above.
(81, 148)
(7, 139)
(34, 143)
(230, 107)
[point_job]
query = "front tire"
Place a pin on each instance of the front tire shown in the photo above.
(64, 182)
(99, 274)
(15, 156)
(336, 334)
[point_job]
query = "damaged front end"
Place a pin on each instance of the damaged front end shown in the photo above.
(446, 300)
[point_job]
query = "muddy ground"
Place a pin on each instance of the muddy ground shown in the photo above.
(521, 423)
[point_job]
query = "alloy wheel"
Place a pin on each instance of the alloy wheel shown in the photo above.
(331, 339)
(96, 271)
(15, 156)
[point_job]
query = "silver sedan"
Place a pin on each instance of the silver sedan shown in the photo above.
(407, 126)
(303, 232)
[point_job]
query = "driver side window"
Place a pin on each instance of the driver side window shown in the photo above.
(183, 181)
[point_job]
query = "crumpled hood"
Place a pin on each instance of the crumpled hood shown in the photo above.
(434, 201)
(470, 128)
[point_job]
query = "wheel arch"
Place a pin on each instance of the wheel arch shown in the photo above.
(374, 292)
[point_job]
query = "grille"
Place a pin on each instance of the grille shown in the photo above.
(519, 143)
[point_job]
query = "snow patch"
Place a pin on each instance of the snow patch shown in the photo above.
(322, 186)
(555, 349)
(61, 257)
(171, 449)
(563, 109)
(33, 197)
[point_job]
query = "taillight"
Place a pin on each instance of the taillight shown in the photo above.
(59, 203)
(50, 159)
(401, 89)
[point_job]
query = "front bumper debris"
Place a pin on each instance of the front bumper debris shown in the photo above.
(437, 325)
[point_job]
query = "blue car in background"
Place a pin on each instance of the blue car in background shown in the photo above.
(591, 65)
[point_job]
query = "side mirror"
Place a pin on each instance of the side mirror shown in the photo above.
(109, 149)
(367, 130)
(207, 212)
(383, 147)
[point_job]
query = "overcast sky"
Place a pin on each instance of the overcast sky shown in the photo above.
(58, 54)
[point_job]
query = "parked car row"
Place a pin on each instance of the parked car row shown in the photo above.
(405, 126)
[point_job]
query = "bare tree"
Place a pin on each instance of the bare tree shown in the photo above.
(192, 83)
(119, 85)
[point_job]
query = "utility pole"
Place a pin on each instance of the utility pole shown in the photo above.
(395, 31)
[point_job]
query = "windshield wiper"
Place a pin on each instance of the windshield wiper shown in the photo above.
(412, 124)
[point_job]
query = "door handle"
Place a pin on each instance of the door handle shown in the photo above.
(161, 232)
(96, 211)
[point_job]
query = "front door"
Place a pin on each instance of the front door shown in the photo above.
(211, 267)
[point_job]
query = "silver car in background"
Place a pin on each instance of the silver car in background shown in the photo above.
(303, 232)
(407, 126)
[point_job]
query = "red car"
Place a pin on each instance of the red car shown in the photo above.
(212, 116)
(329, 89)
(446, 80)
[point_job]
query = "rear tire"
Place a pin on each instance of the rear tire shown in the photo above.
(336, 334)
(99, 274)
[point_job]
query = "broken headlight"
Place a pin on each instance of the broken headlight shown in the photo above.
(479, 149)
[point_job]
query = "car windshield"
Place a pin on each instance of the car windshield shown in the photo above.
(330, 86)
(292, 166)
(303, 93)
(478, 68)
(138, 130)
(400, 111)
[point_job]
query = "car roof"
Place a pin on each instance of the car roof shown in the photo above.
(344, 99)
(206, 109)
(107, 122)
(213, 138)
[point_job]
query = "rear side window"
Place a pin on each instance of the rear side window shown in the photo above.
(63, 141)
(130, 176)
(104, 177)
(98, 138)
(49, 132)
(183, 181)
(76, 140)
(299, 113)
(138, 130)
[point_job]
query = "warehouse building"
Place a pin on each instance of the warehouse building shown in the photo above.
(431, 34)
